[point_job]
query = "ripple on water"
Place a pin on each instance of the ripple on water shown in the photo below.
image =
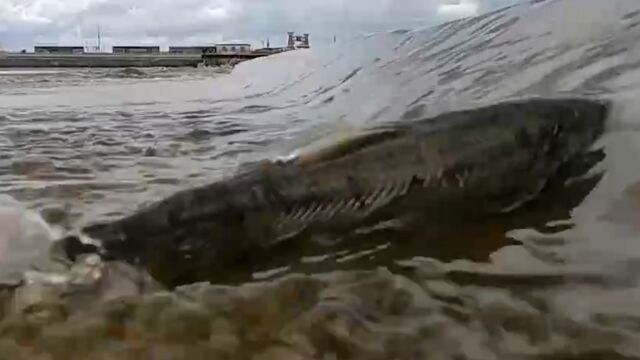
(367, 314)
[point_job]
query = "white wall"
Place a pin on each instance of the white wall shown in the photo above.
(232, 49)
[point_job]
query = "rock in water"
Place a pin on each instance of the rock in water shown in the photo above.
(41, 273)
(86, 283)
(458, 168)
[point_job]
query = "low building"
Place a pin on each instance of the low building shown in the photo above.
(136, 49)
(230, 49)
(195, 50)
(58, 49)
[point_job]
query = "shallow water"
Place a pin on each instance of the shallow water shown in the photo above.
(83, 146)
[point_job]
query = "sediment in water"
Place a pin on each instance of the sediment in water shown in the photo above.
(343, 315)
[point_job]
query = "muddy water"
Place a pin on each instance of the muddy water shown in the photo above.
(92, 145)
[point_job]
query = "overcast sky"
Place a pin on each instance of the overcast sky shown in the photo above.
(24, 23)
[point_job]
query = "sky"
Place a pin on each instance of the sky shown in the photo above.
(24, 23)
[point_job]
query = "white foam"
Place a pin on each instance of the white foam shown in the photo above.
(25, 237)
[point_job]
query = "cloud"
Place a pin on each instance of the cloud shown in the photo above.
(458, 9)
(25, 22)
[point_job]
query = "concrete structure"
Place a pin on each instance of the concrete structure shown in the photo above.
(136, 50)
(230, 49)
(303, 41)
(297, 41)
(192, 49)
(58, 49)
(269, 50)
(291, 42)
(15, 60)
(231, 54)
(146, 56)
(215, 59)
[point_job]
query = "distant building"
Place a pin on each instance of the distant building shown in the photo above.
(58, 49)
(136, 49)
(191, 49)
(232, 49)
(298, 41)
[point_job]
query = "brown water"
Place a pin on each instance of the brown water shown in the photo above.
(97, 144)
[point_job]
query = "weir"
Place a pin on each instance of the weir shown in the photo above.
(125, 60)
(98, 60)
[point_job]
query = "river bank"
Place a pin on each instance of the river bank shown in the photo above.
(98, 60)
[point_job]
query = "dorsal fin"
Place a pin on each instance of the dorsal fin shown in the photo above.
(347, 146)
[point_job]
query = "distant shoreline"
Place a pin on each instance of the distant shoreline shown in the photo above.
(30, 60)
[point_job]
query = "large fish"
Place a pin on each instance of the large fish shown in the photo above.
(443, 171)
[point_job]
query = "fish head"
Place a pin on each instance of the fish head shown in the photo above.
(562, 129)
(555, 141)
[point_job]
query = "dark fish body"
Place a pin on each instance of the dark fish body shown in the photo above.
(457, 167)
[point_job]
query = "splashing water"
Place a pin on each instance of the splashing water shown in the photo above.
(25, 238)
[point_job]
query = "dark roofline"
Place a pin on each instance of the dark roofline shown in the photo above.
(136, 47)
(58, 47)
